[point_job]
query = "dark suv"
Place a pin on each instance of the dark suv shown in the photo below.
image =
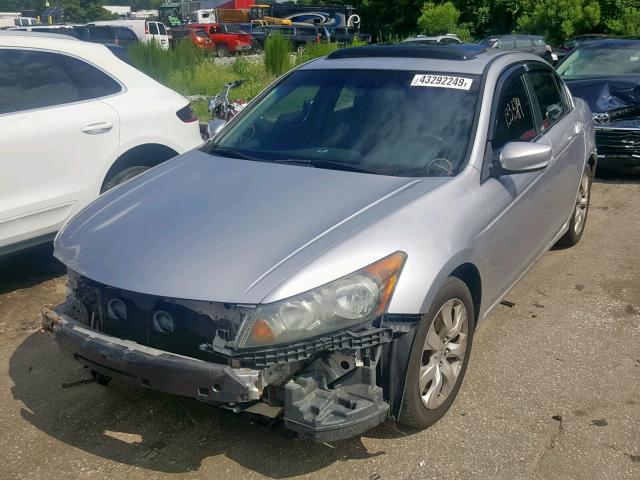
(297, 34)
(524, 43)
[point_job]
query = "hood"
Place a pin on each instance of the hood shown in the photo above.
(618, 96)
(221, 229)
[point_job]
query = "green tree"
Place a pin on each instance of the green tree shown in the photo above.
(558, 20)
(626, 23)
(441, 19)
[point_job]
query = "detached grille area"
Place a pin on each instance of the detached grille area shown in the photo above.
(173, 325)
(618, 143)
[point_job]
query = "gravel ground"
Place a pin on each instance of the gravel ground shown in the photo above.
(552, 392)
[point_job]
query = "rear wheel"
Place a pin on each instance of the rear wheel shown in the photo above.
(439, 356)
(123, 176)
(579, 217)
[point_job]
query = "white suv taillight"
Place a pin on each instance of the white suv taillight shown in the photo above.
(186, 114)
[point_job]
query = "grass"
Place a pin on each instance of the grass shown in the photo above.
(190, 71)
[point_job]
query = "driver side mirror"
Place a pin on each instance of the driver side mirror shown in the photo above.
(522, 157)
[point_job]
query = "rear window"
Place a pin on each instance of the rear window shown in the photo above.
(102, 33)
(125, 33)
(539, 41)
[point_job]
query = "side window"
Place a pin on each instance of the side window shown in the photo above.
(161, 29)
(548, 95)
(32, 79)
(153, 28)
(505, 42)
(523, 42)
(514, 120)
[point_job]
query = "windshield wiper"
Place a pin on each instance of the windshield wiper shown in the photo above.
(233, 153)
(319, 163)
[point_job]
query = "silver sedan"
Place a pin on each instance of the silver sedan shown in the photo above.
(327, 256)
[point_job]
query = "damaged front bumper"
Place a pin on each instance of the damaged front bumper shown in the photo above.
(330, 395)
(150, 367)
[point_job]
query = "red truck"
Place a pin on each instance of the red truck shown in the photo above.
(226, 38)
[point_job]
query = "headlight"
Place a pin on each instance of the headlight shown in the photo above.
(355, 298)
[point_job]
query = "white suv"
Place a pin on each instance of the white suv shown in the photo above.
(75, 121)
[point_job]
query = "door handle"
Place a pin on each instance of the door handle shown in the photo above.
(97, 128)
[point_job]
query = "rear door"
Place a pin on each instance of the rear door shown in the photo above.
(561, 126)
(56, 135)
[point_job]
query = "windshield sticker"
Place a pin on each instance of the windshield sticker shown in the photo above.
(442, 81)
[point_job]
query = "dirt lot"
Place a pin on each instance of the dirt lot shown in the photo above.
(553, 388)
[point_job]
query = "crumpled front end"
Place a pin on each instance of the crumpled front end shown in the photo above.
(618, 142)
(324, 388)
(615, 103)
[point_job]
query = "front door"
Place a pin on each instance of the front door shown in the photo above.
(519, 209)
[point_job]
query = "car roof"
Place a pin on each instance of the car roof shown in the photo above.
(611, 42)
(470, 59)
(22, 34)
(502, 35)
(430, 37)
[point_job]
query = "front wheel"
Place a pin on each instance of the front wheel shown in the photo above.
(439, 356)
(123, 176)
(222, 51)
(579, 216)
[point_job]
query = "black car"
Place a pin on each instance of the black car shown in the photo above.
(298, 35)
(104, 34)
(107, 34)
(343, 36)
(563, 49)
(606, 74)
(524, 43)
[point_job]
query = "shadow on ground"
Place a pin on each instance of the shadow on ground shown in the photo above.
(133, 426)
(604, 175)
(29, 267)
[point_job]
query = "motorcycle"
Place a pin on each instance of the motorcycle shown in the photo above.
(222, 109)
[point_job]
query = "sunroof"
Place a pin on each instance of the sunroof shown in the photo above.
(461, 52)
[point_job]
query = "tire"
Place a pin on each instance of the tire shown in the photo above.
(422, 411)
(580, 211)
(123, 176)
(222, 51)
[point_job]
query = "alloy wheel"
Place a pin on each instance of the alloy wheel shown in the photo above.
(582, 203)
(443, 354)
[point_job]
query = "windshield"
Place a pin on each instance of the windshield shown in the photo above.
(385, 122)
(602, 61)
